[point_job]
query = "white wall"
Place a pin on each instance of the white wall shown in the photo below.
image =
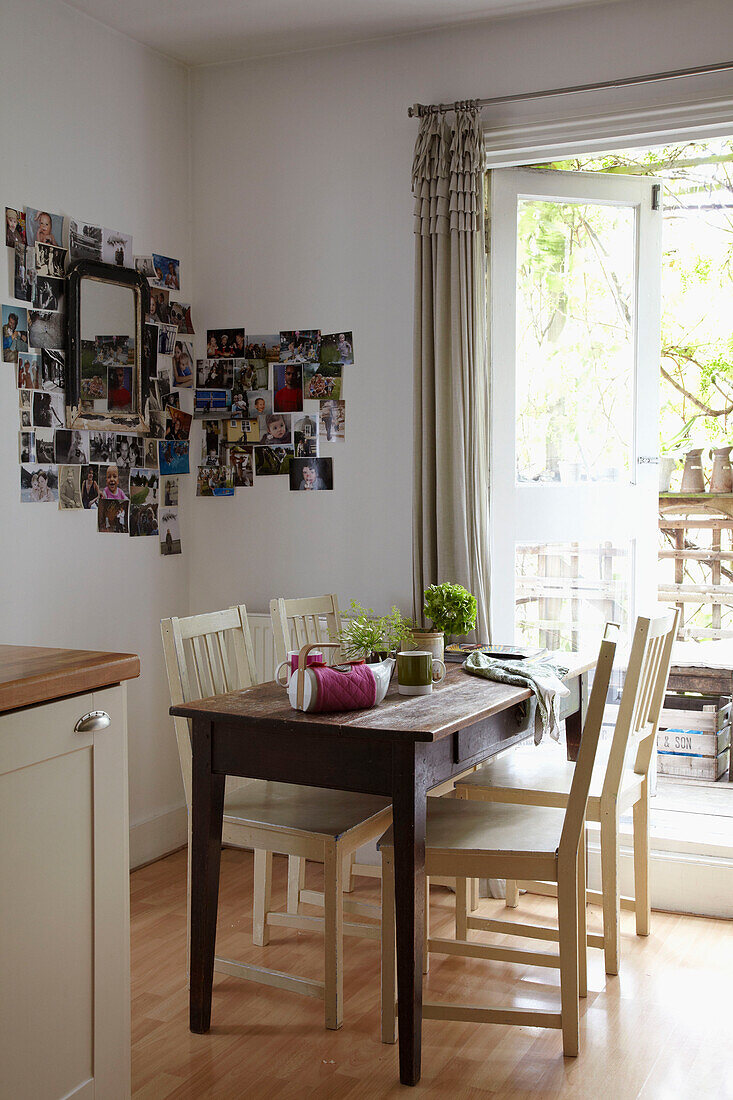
(96, 127)
(303, 218)
(302, 211)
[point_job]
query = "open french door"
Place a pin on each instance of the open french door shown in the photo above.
(574, 332)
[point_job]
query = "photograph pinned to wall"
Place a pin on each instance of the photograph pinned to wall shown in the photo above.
(210, 404)
(215, 374)
(215, 481)
(170, 492)
(150, 348)
(71, 447)
(85, 241)
(48, 410)
(299, 346)
(25, 418)
(42, 226)
(337, 347)
(167, 272)
(156, 425)
(174, 399)
(45, 445)
(167, 335)
(102, 447)
(179, 423)
(15, 332)
(113, 516)
(25, 274)
(288, 387)
(211, 442)
(240, 402)
(27, 447)
(224, 343)
(145, 266)
(173, 457)
(143, 520)
(242, 431)
(263, 347)
(332, 419)
(128, 451)
(70, 487)
(39, 484)
(119, 389)
(305, 437)
(14, 227)
(164, 380)
(114, 482)
(50, 261)
(89, 486)
(53, 370)
(116, 248)
(49, 293)
(180, 315)
(46, 329)
(241, 459)
(260, 402)
(255, 374)
(170, 532)
(276, 430)
(29, 371)
(183, 362)
(144, 486)
(271, 461)
(322, 382)
(25, 399)
(150, 453)
(159, 313)
(311, 474)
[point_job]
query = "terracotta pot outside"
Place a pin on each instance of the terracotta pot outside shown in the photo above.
(721, 479)
(693, 478)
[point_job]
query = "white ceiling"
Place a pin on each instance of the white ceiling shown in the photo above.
(202, 32)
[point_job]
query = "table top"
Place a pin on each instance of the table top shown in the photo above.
(40, 674)
(460, 700)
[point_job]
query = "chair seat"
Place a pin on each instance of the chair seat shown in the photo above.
(290, 807)
(487, 829)
(545, 771)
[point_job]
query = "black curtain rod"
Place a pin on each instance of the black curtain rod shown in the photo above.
(420, 109)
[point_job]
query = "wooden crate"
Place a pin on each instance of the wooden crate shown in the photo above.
(693, 742)
(705, 769)
(707, 713)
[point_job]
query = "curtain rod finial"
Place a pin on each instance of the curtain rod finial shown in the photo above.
(414, 111)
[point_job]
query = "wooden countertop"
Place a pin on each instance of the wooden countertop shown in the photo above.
(37, 674)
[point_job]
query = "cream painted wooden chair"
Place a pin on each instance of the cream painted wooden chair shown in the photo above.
(300, 622)
(620, 782)
(211, 654)
(480, 840)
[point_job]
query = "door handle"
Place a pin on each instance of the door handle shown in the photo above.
(93, 720)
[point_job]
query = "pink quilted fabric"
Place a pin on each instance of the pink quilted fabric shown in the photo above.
(350, 690)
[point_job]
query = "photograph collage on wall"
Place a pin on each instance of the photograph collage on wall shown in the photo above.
(129, 481)
(267, 412)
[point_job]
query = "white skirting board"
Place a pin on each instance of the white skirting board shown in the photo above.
(157, 837)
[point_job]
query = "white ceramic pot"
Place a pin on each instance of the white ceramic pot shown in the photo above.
(666, 469)
(431, 641)
(381, 672)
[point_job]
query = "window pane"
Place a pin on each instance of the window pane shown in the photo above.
(575, 346)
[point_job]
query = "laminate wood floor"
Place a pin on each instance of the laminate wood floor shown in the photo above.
(659, 1031)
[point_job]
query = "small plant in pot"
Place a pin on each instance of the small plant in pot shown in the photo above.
(451, 610)
(366, 636)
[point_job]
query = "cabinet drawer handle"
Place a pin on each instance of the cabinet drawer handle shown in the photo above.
(93, 720)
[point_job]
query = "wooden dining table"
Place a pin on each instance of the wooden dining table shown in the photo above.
(399, 749)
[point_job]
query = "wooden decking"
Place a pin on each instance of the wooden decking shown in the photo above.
(661, 1029)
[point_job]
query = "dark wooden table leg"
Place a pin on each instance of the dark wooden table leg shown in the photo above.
(409, 804)
(207, 812)
(574, 722)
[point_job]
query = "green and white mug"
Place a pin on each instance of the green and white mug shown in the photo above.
(416, 672)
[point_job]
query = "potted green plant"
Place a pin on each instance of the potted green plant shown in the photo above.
(451, 609)
(370, 637)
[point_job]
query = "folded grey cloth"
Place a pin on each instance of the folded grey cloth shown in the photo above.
(541, 676)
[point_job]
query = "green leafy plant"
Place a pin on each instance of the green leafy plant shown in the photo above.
(450, 608)
(366, 634)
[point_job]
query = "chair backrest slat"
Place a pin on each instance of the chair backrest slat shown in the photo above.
(650, 648)
(298, 622)
(198, 661)
(578, 797)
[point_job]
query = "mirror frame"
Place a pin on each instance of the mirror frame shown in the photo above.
(137, 423)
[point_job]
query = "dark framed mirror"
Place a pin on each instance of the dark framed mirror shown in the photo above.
(107, 369)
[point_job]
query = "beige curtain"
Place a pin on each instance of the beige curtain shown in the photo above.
(451, 451)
